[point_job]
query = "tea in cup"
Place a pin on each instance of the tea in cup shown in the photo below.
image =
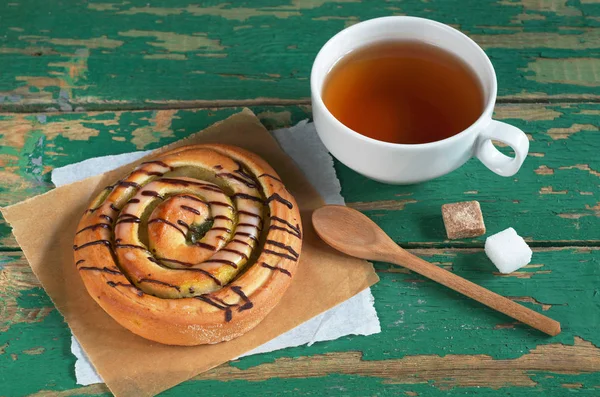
(404, 100)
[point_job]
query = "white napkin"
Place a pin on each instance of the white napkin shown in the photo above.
(356, 316)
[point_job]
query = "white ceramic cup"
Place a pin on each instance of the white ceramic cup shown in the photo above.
(412, 163)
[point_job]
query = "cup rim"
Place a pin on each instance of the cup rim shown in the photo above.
(485, 114)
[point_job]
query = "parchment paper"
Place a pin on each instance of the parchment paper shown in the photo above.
(356, 316)
(130, 365)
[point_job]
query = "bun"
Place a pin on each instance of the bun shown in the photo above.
(195, 246)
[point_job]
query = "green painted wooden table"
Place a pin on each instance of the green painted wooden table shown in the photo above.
(81, 79)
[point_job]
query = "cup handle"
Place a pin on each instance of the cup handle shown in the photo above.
(492, 158)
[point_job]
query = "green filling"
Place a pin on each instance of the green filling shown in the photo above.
(203, 175)
(196, 232)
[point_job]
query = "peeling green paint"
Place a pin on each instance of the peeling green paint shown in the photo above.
(173, 54)
(418, 317)
(565, 135)
(137, 54)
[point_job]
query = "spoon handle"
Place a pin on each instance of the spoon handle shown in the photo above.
(480, 294)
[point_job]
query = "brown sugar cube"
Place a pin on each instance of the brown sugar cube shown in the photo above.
(463, 219)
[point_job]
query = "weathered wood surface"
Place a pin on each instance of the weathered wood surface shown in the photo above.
(124, 55)
(157, 71)
(433, 342)
(553, 200)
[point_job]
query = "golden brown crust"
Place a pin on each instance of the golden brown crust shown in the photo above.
(143, 258)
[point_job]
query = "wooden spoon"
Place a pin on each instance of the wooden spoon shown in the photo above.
(351, 232)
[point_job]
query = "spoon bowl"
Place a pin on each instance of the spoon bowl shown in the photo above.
(351, 232)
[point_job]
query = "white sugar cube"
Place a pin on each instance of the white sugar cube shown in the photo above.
(507, 250)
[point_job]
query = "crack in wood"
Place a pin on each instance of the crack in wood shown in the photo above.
(444, 372)
(388, 205)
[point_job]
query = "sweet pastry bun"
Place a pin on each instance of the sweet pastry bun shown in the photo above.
(195, 246)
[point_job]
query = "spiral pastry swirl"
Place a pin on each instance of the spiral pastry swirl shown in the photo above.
(195, 246)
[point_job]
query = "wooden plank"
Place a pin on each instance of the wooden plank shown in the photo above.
(181, 54)
(434, 342)
(552, 200)
(548, 385)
